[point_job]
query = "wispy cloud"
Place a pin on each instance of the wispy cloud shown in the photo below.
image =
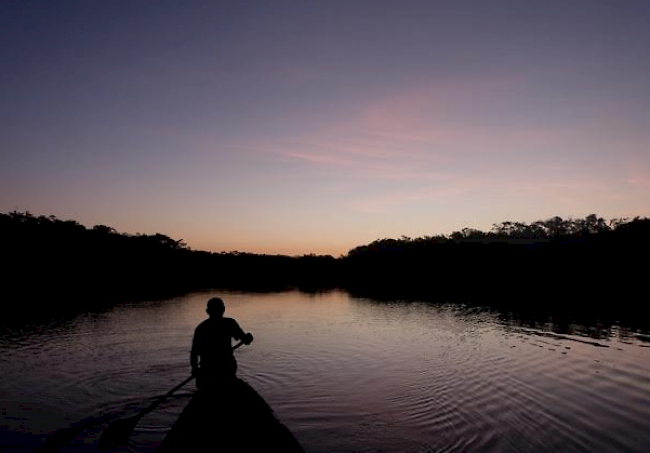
(419, 128)
(642, 181)
(361, 157)
(423, 195)
(417, 145)
(639, 173)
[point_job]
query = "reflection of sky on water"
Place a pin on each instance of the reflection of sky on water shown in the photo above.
(348, 373)
(595, 328)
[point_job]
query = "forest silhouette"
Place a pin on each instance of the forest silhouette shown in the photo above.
(583, 267)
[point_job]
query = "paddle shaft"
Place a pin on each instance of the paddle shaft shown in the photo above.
(171, 392)
(118, 432)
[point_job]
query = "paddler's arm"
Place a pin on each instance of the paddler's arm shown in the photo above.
(238, 334)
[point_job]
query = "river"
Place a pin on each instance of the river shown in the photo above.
(345, 374)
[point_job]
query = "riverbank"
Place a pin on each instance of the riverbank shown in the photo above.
(580, 266)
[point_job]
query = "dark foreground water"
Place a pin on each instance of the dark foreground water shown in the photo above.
(344, 374)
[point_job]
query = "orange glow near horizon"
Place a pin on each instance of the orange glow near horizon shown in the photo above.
(318, 131)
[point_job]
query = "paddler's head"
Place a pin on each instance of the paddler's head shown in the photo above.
(216, 307)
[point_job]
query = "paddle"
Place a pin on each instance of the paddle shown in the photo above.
(118, 432)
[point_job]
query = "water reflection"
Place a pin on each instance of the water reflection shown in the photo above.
(585, 325)
(345, 374)
(598, 329)
(12, 334)
(543, 378)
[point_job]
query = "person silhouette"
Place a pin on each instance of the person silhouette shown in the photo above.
(212, 359)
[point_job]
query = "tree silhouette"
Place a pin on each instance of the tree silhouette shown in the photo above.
(549, 263)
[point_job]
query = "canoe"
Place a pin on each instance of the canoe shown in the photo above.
(236, 418)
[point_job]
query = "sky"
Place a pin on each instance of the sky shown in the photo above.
(297, 127)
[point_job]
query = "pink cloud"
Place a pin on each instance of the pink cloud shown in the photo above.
(417, 127)
(639, 181)
(638, 173)
(452, 188)
(321, 158)
(359, 156)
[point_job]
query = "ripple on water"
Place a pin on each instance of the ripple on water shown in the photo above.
(394, 378)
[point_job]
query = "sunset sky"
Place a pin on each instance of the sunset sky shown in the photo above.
(316, 126)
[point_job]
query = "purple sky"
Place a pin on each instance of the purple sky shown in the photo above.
(315, 126)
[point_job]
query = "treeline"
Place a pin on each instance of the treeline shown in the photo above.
(550, 259)
(57, 264)
(53, 264)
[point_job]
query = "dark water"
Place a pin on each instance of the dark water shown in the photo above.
(344, 374)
